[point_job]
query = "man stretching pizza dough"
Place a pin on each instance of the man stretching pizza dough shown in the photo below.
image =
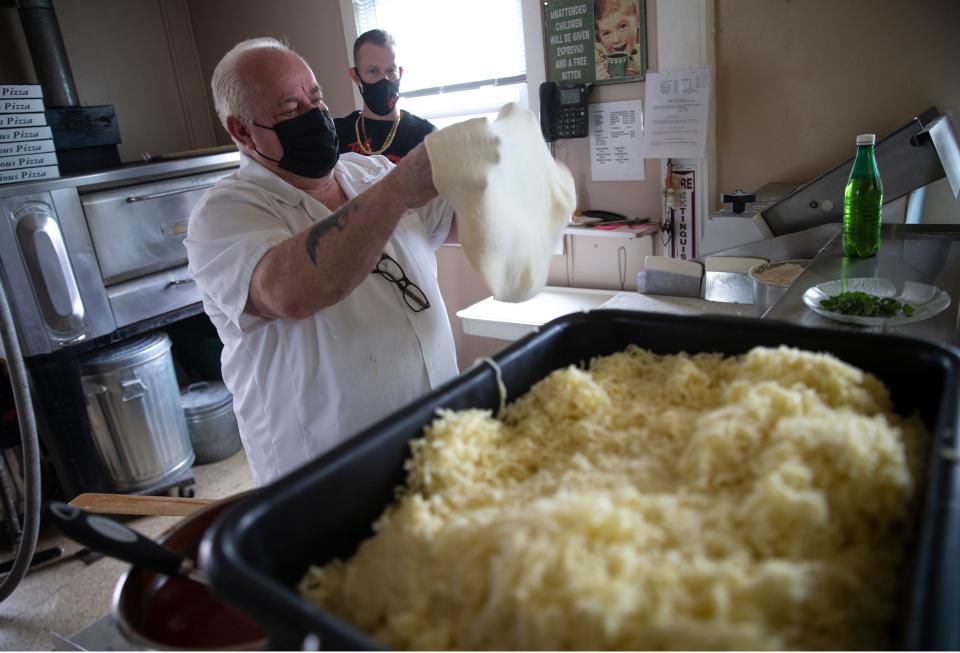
(318, 269)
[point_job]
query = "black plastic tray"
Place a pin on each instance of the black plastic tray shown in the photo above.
(261, 547)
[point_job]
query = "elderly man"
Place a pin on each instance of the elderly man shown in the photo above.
(318, 270)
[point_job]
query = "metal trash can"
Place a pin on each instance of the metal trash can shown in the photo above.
(211, 422)
(133, 402)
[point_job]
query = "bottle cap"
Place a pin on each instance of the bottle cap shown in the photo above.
(866, 139)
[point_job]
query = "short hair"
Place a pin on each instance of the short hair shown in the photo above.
(229, 92)
(603, 8)
(378, 37)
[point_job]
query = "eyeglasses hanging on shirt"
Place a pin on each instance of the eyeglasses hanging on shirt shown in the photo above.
(413, 295)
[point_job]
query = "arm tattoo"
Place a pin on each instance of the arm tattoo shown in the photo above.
(336, 220)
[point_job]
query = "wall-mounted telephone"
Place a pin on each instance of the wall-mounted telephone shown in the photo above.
(563, 110)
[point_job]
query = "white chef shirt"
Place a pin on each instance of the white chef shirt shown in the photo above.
(300, 387)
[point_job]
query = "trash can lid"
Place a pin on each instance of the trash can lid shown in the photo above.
(204, 396)
(127, 353)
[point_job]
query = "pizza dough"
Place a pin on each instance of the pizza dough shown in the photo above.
(512, 199)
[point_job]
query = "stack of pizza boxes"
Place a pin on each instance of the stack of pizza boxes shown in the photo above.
(26, 143)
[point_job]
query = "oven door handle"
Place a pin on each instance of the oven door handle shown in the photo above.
(49, 269)
(165, 193)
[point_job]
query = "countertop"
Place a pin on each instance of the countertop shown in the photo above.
(510, 321)
(927, 254)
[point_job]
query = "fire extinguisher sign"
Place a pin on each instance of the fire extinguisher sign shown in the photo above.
(683, 216)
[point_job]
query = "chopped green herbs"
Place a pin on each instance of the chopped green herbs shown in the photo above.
(861, 303)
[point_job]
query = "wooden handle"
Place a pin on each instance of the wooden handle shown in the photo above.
(131, 504)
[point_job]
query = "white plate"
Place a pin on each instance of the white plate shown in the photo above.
(926, 300)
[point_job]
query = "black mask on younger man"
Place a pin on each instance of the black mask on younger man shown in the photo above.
(310, 144)
(380, 97)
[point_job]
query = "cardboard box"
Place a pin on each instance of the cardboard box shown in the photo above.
(20, 91)
(26, 147)
(21, 106)
(28, 161)
(28, 174)
(16, 134)
(23, 119)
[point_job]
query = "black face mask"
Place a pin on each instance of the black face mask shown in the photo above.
(380, 97)
(310, 144)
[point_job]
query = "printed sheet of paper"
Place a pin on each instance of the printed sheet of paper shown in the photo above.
(677, 105)
(616, 135)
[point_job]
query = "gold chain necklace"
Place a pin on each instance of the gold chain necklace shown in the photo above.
(360, 124)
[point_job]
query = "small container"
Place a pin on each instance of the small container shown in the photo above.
(771, 280)
(208, 409)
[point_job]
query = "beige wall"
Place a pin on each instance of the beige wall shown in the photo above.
(461, 286)
(798, 80)
(137, 55)
(602, 262)
(632, 198)
(152, 59)
(313, 28)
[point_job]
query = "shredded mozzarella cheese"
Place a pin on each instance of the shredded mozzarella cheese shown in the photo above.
(648, 502)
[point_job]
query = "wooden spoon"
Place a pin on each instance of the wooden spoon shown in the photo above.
(109, 537)
(132, 504)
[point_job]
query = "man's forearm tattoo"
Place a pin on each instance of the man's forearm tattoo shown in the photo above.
(337, 220)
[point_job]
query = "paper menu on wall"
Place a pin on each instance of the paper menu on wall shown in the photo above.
(677, 113)
(616, 134)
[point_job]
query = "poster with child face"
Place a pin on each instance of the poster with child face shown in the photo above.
(595, 41)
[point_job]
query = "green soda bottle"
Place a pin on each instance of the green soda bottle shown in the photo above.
(862, 202)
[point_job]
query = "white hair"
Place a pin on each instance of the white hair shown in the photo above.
(229, 91)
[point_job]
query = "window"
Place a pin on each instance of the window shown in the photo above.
(461, 58)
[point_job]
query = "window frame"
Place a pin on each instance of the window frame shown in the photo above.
(533, 48)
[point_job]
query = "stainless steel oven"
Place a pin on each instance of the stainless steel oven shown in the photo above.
(88, 260)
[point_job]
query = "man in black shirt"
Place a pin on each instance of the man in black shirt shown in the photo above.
(380, 128)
